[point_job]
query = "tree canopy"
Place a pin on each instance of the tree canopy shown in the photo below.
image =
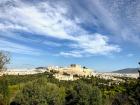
(4, 59)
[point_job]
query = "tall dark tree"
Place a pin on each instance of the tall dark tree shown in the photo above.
(4, 91)
(96, 96)
(139, 71)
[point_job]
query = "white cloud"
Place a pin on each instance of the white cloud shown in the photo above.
(9, 26)
(17, 48)
(71, 54)
(125, 17)
(50, 43)
(94, 45)
(98, 44)
(118, 17)
(130, 55)
(47, 20)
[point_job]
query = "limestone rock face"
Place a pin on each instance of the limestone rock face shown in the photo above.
(73, 69)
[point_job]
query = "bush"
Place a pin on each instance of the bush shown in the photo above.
(40, 92)
(83, 94)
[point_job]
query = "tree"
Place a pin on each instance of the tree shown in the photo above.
(1, 100)
(84, 67)
(95, 96)
(139, 71)
(40, 92)
(4, 91)
(4, 59)
(83, 94)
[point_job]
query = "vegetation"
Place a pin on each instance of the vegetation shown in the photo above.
(44, 89)
(40, 92)
(4, 59)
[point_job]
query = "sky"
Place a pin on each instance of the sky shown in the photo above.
(101, 34)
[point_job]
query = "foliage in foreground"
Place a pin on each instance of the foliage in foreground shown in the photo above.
(40, 92)
(44, 89)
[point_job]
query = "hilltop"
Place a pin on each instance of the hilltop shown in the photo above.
(127, 70)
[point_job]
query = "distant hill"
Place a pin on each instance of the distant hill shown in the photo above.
(127, 70)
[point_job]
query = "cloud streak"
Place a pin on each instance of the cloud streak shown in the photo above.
(17, 48)
(92, 45)
(45, 19)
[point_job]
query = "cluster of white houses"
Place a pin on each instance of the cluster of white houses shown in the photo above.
(113, 75)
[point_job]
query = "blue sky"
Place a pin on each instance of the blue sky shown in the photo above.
(100, 34)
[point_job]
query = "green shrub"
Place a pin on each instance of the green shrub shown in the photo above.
(40, 92)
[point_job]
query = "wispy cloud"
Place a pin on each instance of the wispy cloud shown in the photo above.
(76, 54)
(46, 22)
(125, 17)
(96, 44)
(45, 19)
(130, 55)
(51, 43)
(17, 48)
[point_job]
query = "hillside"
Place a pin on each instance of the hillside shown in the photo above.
(127, 70)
